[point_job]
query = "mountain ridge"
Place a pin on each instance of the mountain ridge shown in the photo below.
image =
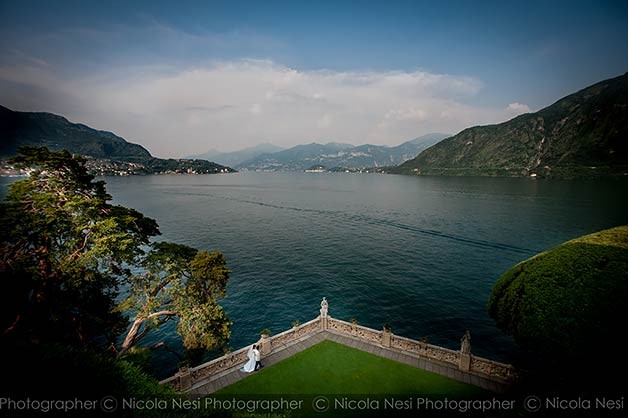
(234, 158)
(584, 134)
(334, 155)
(107, 152)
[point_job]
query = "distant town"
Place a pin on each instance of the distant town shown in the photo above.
(107, 167)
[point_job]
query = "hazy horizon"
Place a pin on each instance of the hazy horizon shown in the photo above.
(183, 80)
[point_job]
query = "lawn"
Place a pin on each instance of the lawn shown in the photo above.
(332, 368)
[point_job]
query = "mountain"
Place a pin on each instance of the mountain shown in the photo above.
(582, 135)
(107, 153)
(56, 132)
(209, 154)
(235, 158)
(332, 155)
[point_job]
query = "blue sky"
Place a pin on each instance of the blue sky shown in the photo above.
(231, 74)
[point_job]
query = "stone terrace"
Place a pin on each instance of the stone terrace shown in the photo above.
(459, 365)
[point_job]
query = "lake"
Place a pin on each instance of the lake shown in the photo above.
(421, 253)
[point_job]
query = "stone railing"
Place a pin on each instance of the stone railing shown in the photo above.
(461, 360)
(433, 352)
(354, 330)
(187, 377)
(291, 335)
(493, 368)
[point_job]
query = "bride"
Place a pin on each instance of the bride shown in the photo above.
(250, 365)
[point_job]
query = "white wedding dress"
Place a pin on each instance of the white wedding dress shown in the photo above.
(250, 365)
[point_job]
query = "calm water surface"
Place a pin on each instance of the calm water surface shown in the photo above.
(421, 253)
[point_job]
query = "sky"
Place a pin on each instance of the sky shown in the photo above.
(185, 77)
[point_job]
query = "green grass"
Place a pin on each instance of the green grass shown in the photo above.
(331, 368)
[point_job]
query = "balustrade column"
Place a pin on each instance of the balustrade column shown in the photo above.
(386, 337)
(184, 378)
(465, 352)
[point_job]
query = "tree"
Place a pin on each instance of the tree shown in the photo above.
(183, 283)
(66, 250)
(566, 303)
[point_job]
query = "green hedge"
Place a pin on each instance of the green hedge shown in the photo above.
(569, 302)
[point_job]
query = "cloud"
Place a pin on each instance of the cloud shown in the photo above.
(518, 108)
(256, 109)
(405, 114)
(325, 121)
(237, 103)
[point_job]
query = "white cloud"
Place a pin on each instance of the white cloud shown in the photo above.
(325, 121)
(232, 104)
(256, 109)
(518, 108)
(405, 114)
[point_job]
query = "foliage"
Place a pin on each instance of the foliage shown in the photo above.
(138, 356)
(265, 331)
(566, 302)
(184, 283)
(65, 251)
(64, 248)
(296, 323)
(66, 372)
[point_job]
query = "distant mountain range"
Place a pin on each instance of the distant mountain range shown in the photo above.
(337, 155)
(235, 158)
(582, 135)
(109, 153)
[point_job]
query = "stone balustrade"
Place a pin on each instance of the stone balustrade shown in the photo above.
(187, 377)
(355, 330)
(293, 334)
(492, 368)
(461, 360)
(430, 351)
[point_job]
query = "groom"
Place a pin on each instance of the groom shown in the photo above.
(258, 357)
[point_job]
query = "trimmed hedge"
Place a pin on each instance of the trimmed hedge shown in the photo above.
(568, 302)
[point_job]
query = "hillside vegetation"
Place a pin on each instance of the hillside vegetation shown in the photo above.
(107, 153)
(582, 135)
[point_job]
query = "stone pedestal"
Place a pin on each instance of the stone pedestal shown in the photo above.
(323, 324)
(265, 345)
(465, 362)
(184, 378)
(386, 337)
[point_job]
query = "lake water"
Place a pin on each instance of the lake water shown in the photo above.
(421, 253)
